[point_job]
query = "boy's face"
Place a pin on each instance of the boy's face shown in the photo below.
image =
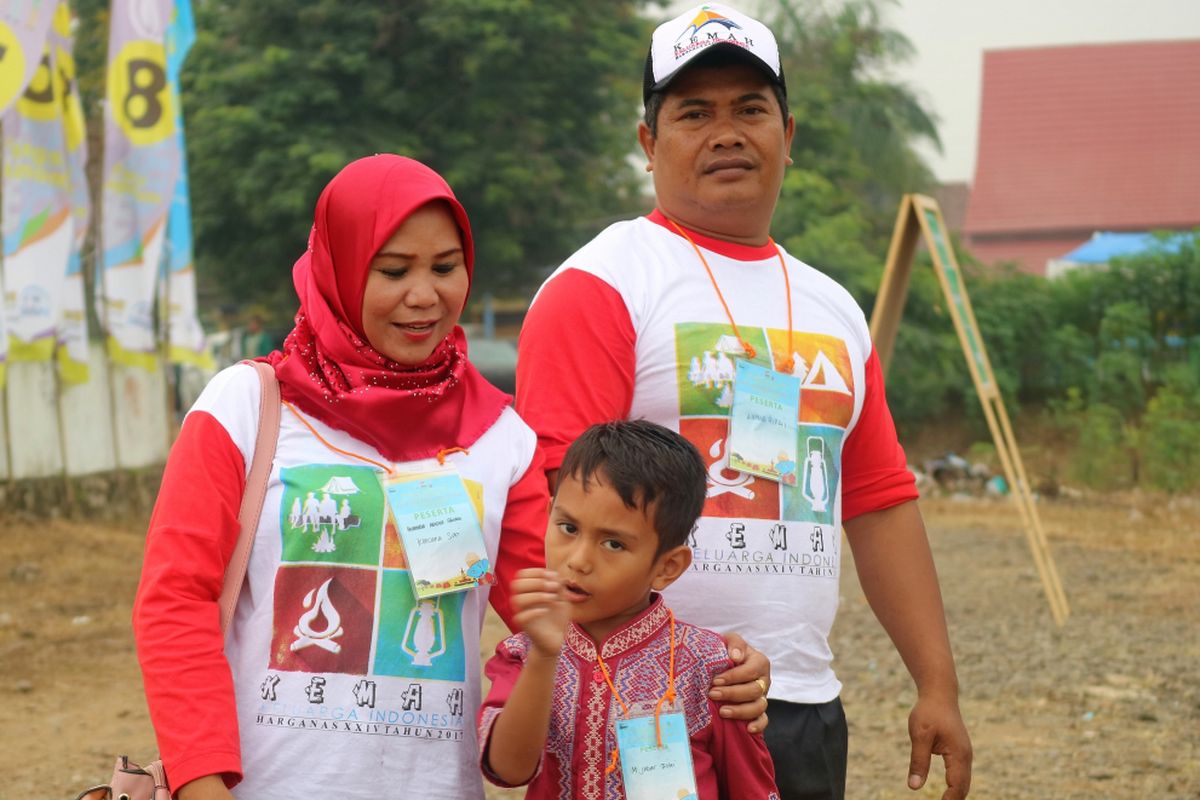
(605, 553)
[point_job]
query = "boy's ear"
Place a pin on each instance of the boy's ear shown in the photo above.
(671, 565)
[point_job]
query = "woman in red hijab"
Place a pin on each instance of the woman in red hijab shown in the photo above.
(335, 675)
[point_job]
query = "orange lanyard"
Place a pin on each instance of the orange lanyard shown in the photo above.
(441, 456)
(787, 287)
(667, 697)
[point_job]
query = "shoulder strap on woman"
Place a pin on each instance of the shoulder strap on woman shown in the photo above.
(256, 488)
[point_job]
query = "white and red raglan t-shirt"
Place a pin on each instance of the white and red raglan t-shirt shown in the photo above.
(631, 327)
(344, 684)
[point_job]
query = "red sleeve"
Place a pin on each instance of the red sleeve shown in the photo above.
(502, 669)
(741, 760)
(176, 622)
(875, 473)
(575, 360)
(522, 534)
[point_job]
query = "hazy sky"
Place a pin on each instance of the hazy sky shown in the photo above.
(950, 38)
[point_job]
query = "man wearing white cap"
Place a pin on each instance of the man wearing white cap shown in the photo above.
(629, 326)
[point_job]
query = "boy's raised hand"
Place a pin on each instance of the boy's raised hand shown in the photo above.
(541, 607)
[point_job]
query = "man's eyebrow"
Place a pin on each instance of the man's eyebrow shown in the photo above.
(698, 101)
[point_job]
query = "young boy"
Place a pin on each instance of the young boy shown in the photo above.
(599, 648)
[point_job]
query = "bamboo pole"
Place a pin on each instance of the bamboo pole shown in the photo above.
(165, 305)
(64, 450)
(1035, 521)
(889, 303)
(101, 286)
(8, 451)
(914, 219)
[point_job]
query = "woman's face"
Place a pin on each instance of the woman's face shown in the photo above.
(416, 287)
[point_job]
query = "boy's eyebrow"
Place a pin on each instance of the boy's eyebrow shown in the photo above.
(615, 532)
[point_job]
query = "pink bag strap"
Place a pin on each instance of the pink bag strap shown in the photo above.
(256, 489)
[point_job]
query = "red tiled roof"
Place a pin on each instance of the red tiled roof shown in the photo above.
(1088, 137)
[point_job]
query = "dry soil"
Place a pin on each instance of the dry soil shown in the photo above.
(1107, 706)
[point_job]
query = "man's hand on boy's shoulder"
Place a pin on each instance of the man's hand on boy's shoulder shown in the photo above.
(742, 689)
(541, 609)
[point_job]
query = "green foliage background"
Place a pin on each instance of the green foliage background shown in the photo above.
(529, 108)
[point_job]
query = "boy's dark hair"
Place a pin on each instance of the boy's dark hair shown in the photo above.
(648, 466)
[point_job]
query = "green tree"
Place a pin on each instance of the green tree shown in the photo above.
(1171, 440)
(527, 109)
(856, 132)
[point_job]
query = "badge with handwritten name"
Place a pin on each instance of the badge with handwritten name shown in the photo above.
(652, 771)
(764, 423)
(442, 537)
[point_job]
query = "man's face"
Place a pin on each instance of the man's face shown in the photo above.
(720, 152)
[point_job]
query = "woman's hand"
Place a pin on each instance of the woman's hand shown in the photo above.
(210, 787)
(742, 689)
(541, 609)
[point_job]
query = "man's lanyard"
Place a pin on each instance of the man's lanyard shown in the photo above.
(749, 348)
(667, 697)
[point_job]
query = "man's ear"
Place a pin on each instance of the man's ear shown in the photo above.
(647, 141)
(789, 133)
(670, 566)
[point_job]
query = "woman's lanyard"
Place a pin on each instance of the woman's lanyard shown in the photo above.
(441, 456)
(667, 697)
(749, 348)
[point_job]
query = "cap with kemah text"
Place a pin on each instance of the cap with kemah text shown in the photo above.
(700, 30)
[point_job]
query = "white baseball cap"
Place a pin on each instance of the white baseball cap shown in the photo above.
(702, 29)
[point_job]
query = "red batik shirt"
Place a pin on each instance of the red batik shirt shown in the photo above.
(730, 762)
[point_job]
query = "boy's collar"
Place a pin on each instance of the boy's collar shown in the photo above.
(632, 634)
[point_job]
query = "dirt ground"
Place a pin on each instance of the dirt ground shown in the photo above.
(1106, 707)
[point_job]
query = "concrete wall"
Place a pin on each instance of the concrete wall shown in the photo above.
(45, 424)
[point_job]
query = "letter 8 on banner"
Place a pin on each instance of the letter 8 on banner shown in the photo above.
(142, 105)
(23, 27)
(50, 88)
(12, 65)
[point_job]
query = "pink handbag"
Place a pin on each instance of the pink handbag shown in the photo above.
(130, 781)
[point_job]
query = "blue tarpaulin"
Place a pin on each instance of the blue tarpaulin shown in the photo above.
(1104, 246)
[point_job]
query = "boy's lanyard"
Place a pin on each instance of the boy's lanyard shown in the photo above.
(667, 697)
(441, 456)
(749, 348)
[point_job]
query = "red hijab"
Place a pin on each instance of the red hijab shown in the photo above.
(327, 367)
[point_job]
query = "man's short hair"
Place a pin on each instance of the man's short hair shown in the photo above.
(650, 467)
(717, 58)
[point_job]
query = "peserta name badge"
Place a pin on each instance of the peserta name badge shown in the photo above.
(440, 530)
(764, 422)
(651, 772)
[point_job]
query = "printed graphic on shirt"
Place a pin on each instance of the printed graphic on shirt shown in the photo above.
(704, 361)
(419, 639)
(363, 706)
(704, 356)
(819, 468)
(324, 618)
(730, 493)
(765, 547)
(823, 364)
(331, 513)
(393, 547)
